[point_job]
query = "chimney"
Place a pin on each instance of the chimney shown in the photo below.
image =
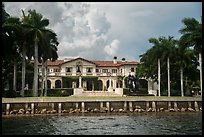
(123, 59)
(114, 60)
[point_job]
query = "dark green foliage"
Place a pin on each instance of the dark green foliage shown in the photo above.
(60, 92)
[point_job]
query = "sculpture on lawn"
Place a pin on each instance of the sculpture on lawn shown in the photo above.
(133, 83)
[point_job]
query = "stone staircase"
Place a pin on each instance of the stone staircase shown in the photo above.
(98, 93)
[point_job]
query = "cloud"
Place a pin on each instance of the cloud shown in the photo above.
(99, 31)
(112, 48)
(98, 22)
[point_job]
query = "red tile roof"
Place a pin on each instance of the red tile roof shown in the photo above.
(54, 63)
(98, 63)
(111, 64)
(79, 58)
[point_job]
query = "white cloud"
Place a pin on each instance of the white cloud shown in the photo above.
(98, 22)
(112, 48)
(101, 30)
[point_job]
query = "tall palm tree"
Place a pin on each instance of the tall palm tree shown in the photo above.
(10, 34)
(157, 54)
(25, 46)
(168, 52)
(192, 37)
(36, 25)
(184, 60)
(48, 51)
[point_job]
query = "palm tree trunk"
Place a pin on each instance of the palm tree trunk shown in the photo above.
(159, 79)
(45, 78)
(200, 58)
(23, 72)
(168, 69)
(35, 89)
(181, 75)
(14, 75)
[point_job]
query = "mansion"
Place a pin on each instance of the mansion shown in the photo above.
(109, 74)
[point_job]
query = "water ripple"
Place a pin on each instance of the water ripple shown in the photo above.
(151, 124)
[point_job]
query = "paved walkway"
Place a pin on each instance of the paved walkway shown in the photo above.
(96, 99)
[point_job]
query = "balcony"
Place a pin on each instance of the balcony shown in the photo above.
(83, 74)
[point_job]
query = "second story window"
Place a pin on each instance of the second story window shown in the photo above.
(88, 70)
(114, 70)
(56, 70)
(97, 70)
(105, 70)
(132, 69)
(68, 69)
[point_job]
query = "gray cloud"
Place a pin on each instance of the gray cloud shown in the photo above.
(103, 30)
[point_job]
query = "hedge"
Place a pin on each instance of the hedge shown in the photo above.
(60, 92)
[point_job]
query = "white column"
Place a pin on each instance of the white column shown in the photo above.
(125, 105)
(59, 107)
(77, 105)
(101, 105)
(7, 108)
(124, 82)
(80, 82)
(53, 106)
(26, 106)
(181, 75)
(82, 107)
(159, 77)
(154, 106)
(110, 88)
(175, 106)
(196, 106)
(168, 68)
(32, 108)
(108, 106)
(130, 106)
(189, 104)
(169, 105)
(200, 58)
(147, 105)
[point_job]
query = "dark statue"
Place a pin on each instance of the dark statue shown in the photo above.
(133, 83)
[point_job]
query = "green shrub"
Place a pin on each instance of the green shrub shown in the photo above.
(125, 91)
(143, 91)
(61, 92)
(28, 93)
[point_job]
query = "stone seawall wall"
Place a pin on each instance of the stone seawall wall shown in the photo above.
(100, 106)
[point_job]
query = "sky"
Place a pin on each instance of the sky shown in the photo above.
(102, 30)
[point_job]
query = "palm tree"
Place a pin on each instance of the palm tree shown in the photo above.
(25, 42)
(48, 51)
(163, 49)
(192, 37)
(36, 25)
(168, 52)
(157, 54)
(10, 34)
(184, 60)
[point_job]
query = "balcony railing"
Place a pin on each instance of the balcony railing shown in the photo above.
(82, 74)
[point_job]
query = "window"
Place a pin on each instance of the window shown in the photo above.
(114, 70)
(56, 70)
(105, 70)
(97, 70)
(68, 69)
(88, 70)
(132, 69)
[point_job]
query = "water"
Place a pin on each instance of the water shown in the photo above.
(105, 124)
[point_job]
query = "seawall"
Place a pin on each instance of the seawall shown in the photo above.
(80, 104)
